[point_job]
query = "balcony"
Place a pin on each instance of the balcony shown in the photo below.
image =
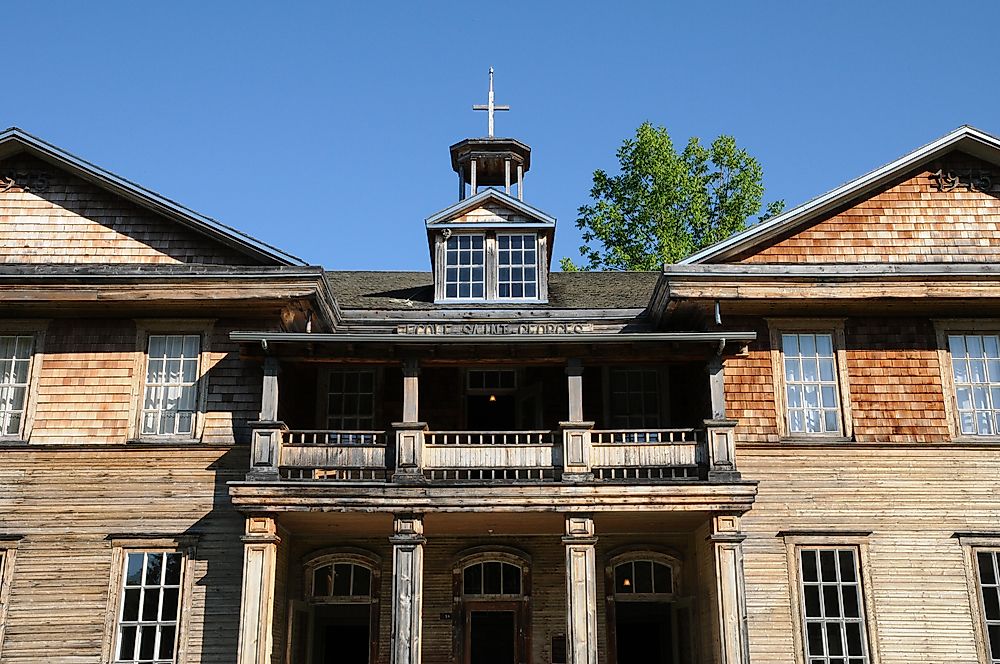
(412, 454)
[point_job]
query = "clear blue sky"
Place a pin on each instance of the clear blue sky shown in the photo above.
(324, 127)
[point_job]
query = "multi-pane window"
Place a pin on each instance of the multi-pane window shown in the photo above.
(975, 361)
(517, 276)
(342, 582)
(832, 607)
(465, 266)
(491, 380)
(170, 399)
(643, 577)
(988, 564)
(635, 398)
(351, 400)
(491, 578)
(15, 362)
(149, 608)
(812, 399)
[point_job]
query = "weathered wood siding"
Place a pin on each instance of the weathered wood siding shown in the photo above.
(66, 502)
(73, 221)
(87, 375)
(894, 376)
(912, 498)
(911, 221)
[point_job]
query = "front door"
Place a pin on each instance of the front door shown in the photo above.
(341, 634)
(492, 633)
(645, 633)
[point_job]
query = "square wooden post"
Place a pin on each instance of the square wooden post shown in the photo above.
(407, 588)
(260, 544)
(729, 598)
(581, 590)
(720, 431)
(410, 432)
(576, 452)
(265, 446)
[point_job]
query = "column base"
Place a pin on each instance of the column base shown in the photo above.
(409, 478)
(724, 476)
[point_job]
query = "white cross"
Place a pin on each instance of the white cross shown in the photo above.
(490, 107)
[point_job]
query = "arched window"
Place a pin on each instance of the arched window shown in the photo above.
(342, 581)
(341, 578)
(493, 578)
(644, 576)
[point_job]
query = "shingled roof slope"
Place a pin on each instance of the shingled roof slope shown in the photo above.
(567, 290)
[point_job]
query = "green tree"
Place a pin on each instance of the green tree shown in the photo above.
(665, 205)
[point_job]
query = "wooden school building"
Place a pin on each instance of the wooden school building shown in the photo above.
(783, 450)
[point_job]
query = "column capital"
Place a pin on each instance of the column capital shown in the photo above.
(574, 367)
(579, 530)
(411, 367)
(408, 529)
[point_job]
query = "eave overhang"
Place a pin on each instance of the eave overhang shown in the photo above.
(154, 285)
(487, 339)
(14, 141)
(923, 283)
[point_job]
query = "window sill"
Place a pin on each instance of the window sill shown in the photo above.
(159, 442)
(816, 440)
(13, 442)
(977, 439)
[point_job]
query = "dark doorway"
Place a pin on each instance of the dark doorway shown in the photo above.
(341, 634)
(644, 633)
(492, 637)
(490, 412)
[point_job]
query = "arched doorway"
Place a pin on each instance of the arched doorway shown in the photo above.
(342, 595)
(492, 612)
(647, 622)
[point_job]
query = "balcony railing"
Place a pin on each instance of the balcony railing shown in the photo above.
(413, 454)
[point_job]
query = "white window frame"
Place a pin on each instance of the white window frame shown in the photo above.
(8, 550)
(501, 266)
(835, 328)
(491, 265)
(794, 543)
(943, 329)
(36, 330)
(972, 544)
(122, 545)
(457, 237)
(144, 330)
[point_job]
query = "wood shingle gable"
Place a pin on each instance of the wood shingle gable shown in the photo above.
(938, 204)
(55, 207)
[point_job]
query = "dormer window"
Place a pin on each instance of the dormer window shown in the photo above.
(465, 267)
(490, 266)
(518, 266)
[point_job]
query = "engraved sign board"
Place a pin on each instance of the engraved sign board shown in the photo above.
(497, 329)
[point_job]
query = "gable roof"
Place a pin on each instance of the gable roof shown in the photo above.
(966, 138)
(14, 141)
(444, 218)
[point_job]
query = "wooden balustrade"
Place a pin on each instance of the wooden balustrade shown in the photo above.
(332, 455)
(575, 454)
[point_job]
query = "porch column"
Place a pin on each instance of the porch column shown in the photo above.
(576, 432)
(265, 453)
(581, 590)
(720, 431)
(729, 598)
(410, 432)
(260, 545)
(407, 588)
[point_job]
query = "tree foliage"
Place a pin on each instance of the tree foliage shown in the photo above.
(665, 205)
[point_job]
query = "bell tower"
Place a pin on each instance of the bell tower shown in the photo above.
(490, 161)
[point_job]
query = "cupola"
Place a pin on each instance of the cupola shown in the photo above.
(490, 246)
